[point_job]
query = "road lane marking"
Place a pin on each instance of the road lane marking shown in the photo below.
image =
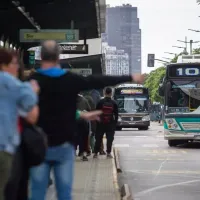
(150, 145)
(160, 151)
(142, 193)
(166, 171)
(160, 167)
(121, 145)
(138, 136)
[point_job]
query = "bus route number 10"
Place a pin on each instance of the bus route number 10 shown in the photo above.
(188, 72)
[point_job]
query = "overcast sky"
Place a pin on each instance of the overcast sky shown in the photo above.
(163, 22)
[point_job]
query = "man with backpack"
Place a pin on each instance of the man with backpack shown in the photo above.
(107, 122)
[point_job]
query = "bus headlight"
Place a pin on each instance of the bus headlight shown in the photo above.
(146, 118)
(119, 119)
(172, 124)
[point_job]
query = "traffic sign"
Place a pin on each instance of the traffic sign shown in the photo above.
(74, 48)
(82, 71)
(62, 35)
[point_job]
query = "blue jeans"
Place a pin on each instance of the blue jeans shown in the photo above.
(61, 160)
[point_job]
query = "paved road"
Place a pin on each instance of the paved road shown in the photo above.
(155, 171)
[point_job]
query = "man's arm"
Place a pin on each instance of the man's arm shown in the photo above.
(98, 81)
(27, 99)
(116, 113)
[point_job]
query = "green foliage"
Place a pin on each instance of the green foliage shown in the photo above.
(152, 82)
(174, 60)
(196, 51)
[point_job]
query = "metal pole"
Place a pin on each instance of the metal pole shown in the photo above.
(186, 43)
(72, 24)
(191, 41)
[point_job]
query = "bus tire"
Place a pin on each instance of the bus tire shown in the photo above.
(143, 128)
(173, 143)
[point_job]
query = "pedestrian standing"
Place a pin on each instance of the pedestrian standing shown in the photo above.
(16, 98)
(107, 124)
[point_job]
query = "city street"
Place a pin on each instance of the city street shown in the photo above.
(155, 171)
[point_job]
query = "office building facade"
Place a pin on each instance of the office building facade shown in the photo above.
(123, 32)
(116, 61)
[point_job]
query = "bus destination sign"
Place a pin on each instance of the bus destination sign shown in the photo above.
(131, 91)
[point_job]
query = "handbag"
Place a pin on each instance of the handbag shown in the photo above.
(35, 144)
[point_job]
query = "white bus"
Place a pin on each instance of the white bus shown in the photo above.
(133, 106)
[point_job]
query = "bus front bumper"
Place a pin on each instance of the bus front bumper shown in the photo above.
(133, 124)
(180, 135)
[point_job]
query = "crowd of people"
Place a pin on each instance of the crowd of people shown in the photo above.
(40, 126)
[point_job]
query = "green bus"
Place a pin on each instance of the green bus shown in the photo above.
(181, 91)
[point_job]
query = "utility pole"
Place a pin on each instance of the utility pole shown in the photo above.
(190, 42)
(171, 53)
(167, 58)
(184, 49)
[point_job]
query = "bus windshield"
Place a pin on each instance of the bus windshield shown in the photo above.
(130, 104)
(184, 94)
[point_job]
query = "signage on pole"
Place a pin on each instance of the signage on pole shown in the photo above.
(82, 71)
(62, 35)
(74, 48)
(31, 57)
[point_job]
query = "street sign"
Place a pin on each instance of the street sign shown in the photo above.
(74, 48)
(62, 35)
(31, 57)
(151, 60)
(82, 71)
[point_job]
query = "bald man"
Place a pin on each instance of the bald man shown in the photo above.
(57, 102)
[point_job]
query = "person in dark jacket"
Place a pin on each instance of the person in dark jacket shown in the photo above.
(83, 128)
(57, 103)
(91, 138)
(108, 122)
(96, 98)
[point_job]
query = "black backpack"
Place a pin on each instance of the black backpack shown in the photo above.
(34, 144)
(107, 109)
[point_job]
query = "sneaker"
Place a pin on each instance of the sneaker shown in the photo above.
(88, 153)
(80, 154)
(95, 156)
(84, 158)
(109, 155)
(103, 153)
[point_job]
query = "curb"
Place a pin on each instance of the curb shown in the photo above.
(125, 193)
(116, 157)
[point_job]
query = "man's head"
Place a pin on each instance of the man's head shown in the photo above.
(108, 92)
(50, 51)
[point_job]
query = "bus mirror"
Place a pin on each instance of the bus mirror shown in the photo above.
(161, 90)
(168, 88)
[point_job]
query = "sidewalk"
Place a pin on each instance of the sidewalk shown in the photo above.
(94, 180)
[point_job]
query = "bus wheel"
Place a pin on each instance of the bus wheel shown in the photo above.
(173, 143)
(143, 128)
